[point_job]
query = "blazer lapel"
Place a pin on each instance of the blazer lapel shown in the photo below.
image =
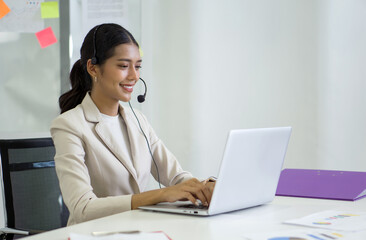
(140, 160)
(131, 129)
(92, 114)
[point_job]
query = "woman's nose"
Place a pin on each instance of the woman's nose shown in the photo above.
(133, 74)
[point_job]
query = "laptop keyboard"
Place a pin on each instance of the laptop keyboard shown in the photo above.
(192, 206)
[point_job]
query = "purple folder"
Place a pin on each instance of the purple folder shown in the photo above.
(327, 184)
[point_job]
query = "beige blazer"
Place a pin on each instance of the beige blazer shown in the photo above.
(95, 178)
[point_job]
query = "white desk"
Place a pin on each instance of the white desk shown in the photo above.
(225, 226)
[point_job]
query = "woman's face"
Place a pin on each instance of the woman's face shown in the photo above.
(119, 74)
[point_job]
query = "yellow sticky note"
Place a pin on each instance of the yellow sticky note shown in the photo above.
(49, 10)
(4, 9)
(141, 52)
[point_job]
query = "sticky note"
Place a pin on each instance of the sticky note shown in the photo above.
(46, 37)
(141, 52)
(49, 10)
(4, 9)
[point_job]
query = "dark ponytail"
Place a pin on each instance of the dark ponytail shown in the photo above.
(80, 84)
(107, 37)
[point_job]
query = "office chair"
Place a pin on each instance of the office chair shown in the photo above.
(32, 194)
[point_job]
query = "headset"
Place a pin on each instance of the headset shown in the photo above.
(94, 59)
(140, 98)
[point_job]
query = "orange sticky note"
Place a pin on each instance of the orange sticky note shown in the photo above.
(46, 37)
(4, 9)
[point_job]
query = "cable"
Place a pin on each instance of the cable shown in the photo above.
(148, 144)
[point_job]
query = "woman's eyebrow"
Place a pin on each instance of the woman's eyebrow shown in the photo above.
(127, 60)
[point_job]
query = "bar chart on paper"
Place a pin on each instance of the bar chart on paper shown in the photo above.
(333, 220)
(311, 236)
(303, 234)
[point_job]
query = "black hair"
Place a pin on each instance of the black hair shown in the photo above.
(100, 40)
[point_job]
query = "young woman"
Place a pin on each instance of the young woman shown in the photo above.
(103, 161)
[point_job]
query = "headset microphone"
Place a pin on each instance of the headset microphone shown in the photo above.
(141, 98)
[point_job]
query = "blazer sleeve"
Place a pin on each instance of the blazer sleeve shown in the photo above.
(74, 177)
(170, 171)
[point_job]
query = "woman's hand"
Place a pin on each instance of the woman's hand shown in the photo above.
(191, 190)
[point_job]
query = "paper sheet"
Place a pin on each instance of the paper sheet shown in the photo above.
(96, 12)
(302, 234)
(335, 220)
(136, 236)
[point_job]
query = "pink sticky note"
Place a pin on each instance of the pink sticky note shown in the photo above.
(46, 37)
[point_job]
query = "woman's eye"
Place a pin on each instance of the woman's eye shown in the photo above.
(138, 67)
(123, 66)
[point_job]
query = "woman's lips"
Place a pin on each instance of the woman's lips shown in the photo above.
(128, 88)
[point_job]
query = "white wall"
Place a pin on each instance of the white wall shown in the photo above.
(342, 85)
(216, 65)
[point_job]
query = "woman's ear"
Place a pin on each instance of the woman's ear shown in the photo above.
(92, 69)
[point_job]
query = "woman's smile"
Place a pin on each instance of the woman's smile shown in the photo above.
(127, 87)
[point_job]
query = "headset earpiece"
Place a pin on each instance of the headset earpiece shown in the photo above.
(94, 60)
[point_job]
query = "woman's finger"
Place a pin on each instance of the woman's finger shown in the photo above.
(207, 193)
(199, 192)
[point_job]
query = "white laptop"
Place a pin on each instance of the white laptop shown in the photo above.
(248, 175)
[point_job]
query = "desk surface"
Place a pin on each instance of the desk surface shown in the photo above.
(232, 225)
